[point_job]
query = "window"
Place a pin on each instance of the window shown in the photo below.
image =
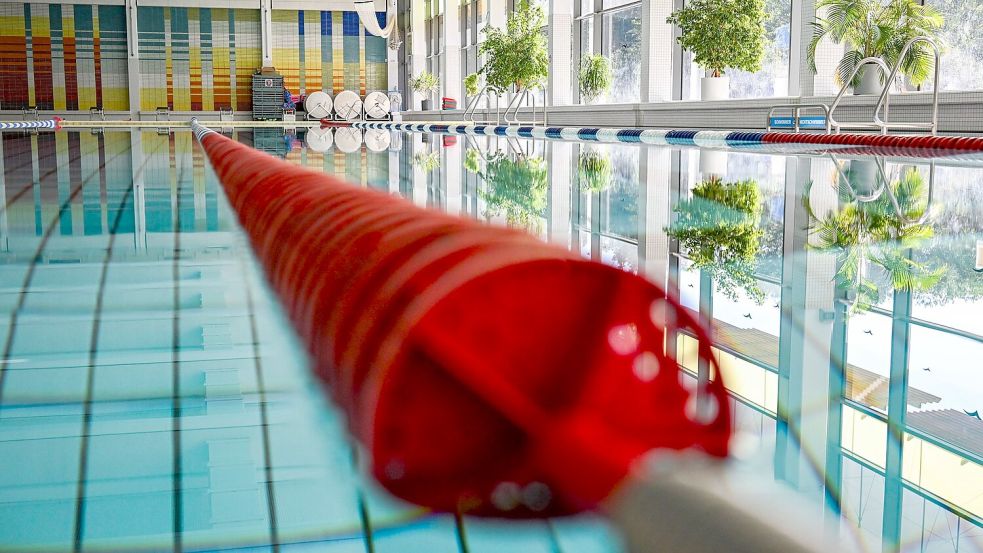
(962, 56)
(622, 45)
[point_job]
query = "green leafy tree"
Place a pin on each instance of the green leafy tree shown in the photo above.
(718, 228)
(594, 76)
(516, 187)
(517, 55)
(723, 34)
(871, 28)
(866, 234)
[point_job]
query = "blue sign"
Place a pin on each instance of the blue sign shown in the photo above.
(809, 122)
(782, 123)
(812, 122)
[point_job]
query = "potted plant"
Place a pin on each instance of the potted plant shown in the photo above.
(718, 229)
(425, 83)
(722, 34)
(870, 239)
(518, 55)
(594, 77)
(873, 29)
(471, 87)
(594, 170)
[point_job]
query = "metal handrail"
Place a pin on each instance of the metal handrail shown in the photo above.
(884, 100)
(846, 84)
(516, 104)
(796, 110)
(932, 126)
(473, 104)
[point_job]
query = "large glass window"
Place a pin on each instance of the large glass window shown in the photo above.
(583, 44)
(962, 56)
(622, 45)
(473, 22)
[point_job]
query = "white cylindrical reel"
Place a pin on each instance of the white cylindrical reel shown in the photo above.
(348, 105)
(318, 105)
(377, 105)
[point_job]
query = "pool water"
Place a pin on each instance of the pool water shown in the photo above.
(152, 396)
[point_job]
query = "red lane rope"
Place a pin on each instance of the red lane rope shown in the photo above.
(485, 370)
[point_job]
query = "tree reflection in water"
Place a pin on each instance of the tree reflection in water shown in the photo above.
(872, 239)
(719, 231)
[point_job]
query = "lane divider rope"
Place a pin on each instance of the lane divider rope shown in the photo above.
(919, 146)
(54, 123)
(485, 370)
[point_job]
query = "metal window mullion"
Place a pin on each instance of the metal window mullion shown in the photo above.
(897, 402)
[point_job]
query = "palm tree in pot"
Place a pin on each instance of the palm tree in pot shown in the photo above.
(872, 29)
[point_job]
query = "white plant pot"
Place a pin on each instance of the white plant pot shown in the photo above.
(714, 88)
(870, 81)
(713, 163)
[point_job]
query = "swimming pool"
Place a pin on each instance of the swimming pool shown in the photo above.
(152, 396)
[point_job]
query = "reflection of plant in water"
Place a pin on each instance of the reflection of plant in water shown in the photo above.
(516, 187)
(875, 232)
(718, 229)
(472, 161)
(594, 170)
(427, 161)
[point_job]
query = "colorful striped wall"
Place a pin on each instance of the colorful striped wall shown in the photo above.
(318, 50)
(63, 57)
(194, 59)
(74, 57)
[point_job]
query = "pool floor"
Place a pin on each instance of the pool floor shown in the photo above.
(153, 397)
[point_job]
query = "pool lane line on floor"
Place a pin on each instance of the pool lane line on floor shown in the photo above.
(909, 144)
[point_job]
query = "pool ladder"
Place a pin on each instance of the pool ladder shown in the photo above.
(472, 106)
(879, 123)
(511, 115)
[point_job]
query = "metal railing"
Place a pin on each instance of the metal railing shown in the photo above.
(516, 104)
(931, 126)
(836, 125)
(882, 123)
(796, 111)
